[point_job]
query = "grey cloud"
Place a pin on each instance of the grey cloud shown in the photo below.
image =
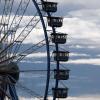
(30, 9)
(86, 3)
(66, 6)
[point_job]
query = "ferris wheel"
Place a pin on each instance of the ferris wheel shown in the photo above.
(30, 52)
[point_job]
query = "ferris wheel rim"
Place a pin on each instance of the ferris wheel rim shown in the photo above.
(47, 47)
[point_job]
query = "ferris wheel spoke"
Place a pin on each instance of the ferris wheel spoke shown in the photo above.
(5, 36)
(29, 91)
(22, 35)
(1, 21)
(2, 56)
(2, 14)
(2, 90)
(20, 38)
(5, 22)
(21, 56)
(7, 60)
(24, 71)
(3, 53)
(17, 19)
(6, 17)
(6, 81)
(25, 32)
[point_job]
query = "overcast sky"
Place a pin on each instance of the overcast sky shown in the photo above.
(81, 18)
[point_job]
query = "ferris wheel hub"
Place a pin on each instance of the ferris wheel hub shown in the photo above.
(11, 70)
